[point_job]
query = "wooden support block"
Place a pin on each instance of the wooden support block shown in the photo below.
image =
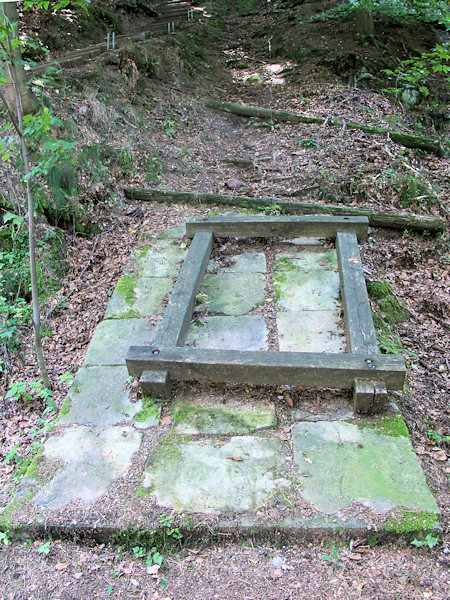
(369, 397)
(266, 226)
(177, 316)
(359, 327)
(156, 384)
(273, 368)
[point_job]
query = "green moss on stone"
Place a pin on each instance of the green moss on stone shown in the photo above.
(149, 410)
(411, 521)
(391, 308)
(66, 406)
(278, 280)
(126, 288)
(143, 492)
(16, 504)
(145, 250)
(286, 264)
(392, 425)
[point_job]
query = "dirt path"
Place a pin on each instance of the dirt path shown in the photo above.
(194, 148)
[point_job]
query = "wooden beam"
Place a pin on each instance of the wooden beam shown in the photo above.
(389, 220)
(177, 316)
(267, 226)
(155, 384)
(359, 327)
(369, 397)
(273, 368)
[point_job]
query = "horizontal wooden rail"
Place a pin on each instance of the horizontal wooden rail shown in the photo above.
(267, 226)
(273, 368)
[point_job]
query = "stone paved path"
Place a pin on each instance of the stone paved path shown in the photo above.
(112, 460)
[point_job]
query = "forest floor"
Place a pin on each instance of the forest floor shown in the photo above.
(178, 144)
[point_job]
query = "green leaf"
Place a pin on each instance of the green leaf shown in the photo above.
(45, 548)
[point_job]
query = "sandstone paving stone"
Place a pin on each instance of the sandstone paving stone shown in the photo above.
(343, 463)
(92, 459)
(311, 259)
(148, 416)
(247, 263)
(247, 332)
(138, 297)
(310, 331)
(203, 477)
(302, 290)
(325, 410)
(97, 397)
(305, 241)
(194, 417)
(160, 260)
(174, 232)
(233, 293)
(112, 339)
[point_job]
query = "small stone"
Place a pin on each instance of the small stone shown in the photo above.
(254, 78)
(234, 184)
(277, 562)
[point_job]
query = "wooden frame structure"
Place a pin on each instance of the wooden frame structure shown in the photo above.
(362, 368)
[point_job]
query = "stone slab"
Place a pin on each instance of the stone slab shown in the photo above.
(143, 298)
(97, 397)
(194, 417)
(310, 331)
(324, 410)
(203, 477)
(341, 463)
(247, 332)
(247, 263)
(149, 414)
(161, 259)
(312, 259)
(305, 241)
(112, 339)
(302, 290)
(92, 459)
(233, 293)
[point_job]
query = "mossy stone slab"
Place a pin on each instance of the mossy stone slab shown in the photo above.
(143, 297)
(343, 463)
(247, 332)
(192, 418)
(92, 459)
(160, 259)
(302, 290)
(233, 293)
(97, 397)
(148, 416)
(312, 259)
(247, 263)
(112, 339)
(310, 331)
(173, 232)
(203, 477)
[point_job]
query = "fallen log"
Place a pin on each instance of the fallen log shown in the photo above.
(386, 220)
(405, 139)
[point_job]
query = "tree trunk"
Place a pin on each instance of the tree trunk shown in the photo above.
(387, 220)
(364, 23)
(405, 139)
(27, 100)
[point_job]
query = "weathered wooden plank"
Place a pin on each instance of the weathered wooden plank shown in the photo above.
(274, 368)
(155, 384)
(173, 327)
(357, 312)
(376, 219)
(369, 397)
(267, 226)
